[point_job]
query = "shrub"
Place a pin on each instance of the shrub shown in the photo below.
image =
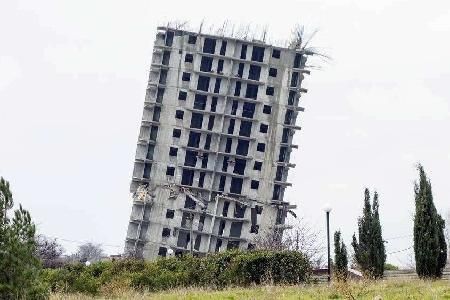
(215, 270)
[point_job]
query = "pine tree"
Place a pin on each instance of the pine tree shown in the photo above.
(19, 268)
(369, 250)
(429, 242)
(340, 257)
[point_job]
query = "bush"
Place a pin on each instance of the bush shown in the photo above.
(215, 270)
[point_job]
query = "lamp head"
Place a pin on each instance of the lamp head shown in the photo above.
(327, 207)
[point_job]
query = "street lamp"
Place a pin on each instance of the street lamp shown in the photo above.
(327, 209)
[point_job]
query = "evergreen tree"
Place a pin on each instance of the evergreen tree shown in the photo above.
(340, 257)
(429, 242)
(369, 250)
(19, 268)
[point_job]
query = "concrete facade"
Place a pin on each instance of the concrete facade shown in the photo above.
(213, 151)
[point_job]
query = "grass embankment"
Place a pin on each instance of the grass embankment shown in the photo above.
(390, 289)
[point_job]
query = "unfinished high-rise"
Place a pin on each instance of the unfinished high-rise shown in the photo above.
(213, 151)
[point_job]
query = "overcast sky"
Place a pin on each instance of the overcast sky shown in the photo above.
(72, 84)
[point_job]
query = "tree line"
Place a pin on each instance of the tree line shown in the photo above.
(430, 237)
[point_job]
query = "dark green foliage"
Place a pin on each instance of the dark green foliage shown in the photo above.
(430, 248)
(19, 268)
(340, 257)
(370, 253)
(216, 270)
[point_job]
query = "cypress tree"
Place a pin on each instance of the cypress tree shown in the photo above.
(369, 247)
(340, 257)
(429, 242)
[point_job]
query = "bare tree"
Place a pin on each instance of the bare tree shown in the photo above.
(88, 252)
(299, 236)
(49, 251)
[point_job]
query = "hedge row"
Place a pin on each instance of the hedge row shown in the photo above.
(213, 271)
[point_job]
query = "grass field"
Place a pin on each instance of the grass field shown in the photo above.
(392, 289)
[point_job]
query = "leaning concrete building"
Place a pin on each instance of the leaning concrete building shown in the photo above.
(214, 145)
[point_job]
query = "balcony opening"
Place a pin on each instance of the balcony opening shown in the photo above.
(279, 173)
(232, 245)
(187, 178)
(190, 159)
(147, 170)
(166, 58)
(254, 72)
(189, 58)
(217, 86)
(201, 179)
(153, 133)
(176, 133)
(170, 171)
(235, 229)
(242, 147)
(297, 60)
(225, 164)
(222, 183)
(208, 142)
(231, 126)
(203, 83)
(221, 227)
(239, 166)
(288, 118)
(280, 216)
(183, 239)
(240, 72)
(150, 151)
(294, 79)
(201, 223)
(248, 110)
(276, 53)
(196, 120)
(170, 214)
(283, 154)
(198, 239)
(226, 206)
(156, 113)
(257, 166)
(276, 192)
(218, 245)
(261, 147)
(163, 76)
(162, 251)
(206, 64)
(159, 95)
(252, 91)
(254, 185)
(205, 160)
(228, 145)
(258, 54)
(239, 210)
(270, 90)
(189, 203)
(186, 76)
(237, 89)
(285, 136)
(273, 72)
(291, 98)
(246, 128)
(220, 66)
(234, 107)
(165, 232)
(182, 95)
(211, 122)
(263, 128)
(192, 39)
(223, 48)
(209, 46)
(213, 104)
(169, 38)
(243, 52)
(200, 102)
(236, 185)
(179, 114)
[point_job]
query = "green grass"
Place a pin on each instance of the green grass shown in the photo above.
(392, 289)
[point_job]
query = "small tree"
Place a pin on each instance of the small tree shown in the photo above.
(19, 268)
(430, 249)
(340, 257)
(49, 251)
(370, 253)
(88, 252)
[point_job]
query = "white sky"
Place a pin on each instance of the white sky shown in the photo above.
(72, 84)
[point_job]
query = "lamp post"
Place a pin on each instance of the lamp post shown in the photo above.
(327, 209)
